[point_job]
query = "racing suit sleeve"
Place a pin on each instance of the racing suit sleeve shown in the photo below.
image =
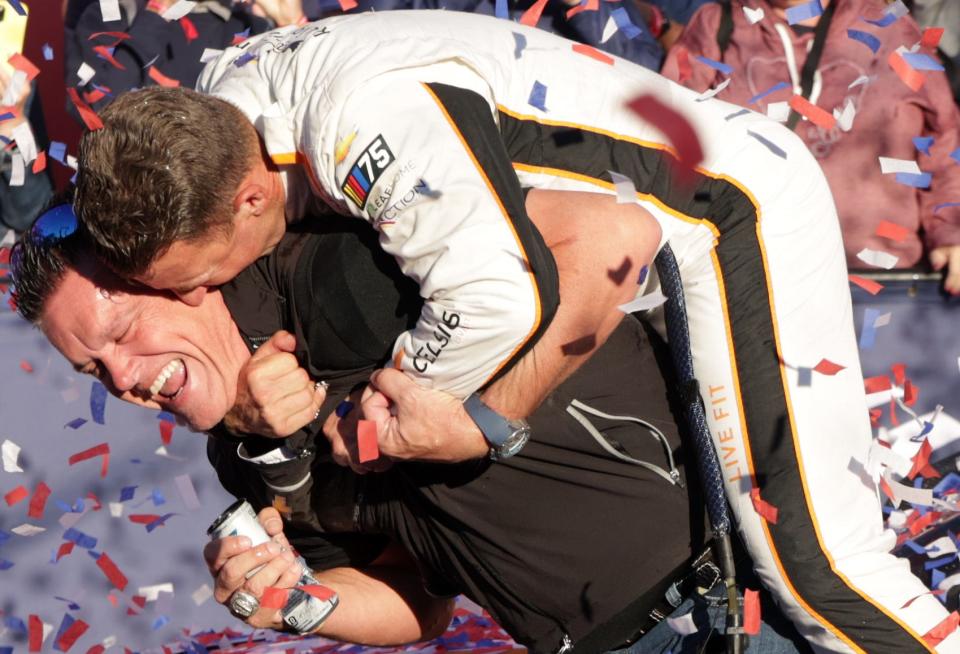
(432, 175)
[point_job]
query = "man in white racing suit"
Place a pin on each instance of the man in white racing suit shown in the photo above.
(426, 125)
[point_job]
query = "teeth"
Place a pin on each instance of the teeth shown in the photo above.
(168, 370)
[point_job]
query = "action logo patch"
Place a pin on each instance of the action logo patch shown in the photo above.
(367, 170)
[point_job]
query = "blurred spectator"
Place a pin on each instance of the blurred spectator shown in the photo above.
(817, 58)
(21, 202)
(154, 45)
(667, 18)
(945, 14)
(632, 40)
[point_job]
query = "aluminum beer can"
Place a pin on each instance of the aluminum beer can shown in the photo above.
(303, 612)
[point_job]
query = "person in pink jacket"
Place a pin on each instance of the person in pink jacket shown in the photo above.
(853, 74)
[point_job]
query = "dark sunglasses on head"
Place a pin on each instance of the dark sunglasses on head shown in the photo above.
(56, 223)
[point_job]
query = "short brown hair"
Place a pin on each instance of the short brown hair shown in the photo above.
(164, 168)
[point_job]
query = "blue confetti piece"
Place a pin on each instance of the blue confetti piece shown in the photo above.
(94, 554)
(73, 178)
(6, 650)
(624, 23)
(519, 43)
(803, 12)
(921, 61)
(5, 564)
(78, 506)
(538, 96)
(7, 116)
(939, 563)
(98, 401)
(955, 155)
(923, 143)
(868, 335)
(501, 10)
(945, 205)
(736, 114)
(5, 536)
(244, 59)
(166, 416)
(772, 89)
(915, 180)
(916, 548)
(344, 408)
(63, 506)
(644, 271)
(865, 38)
(17, 7)
(773, 147)
(159, 522)
(927, 428)
(127, 492)
(47, 52)
(81, 539)
(952, 480)
(14, 623)
(242, 35)
(58, 151)
(804, 376)
(73, 606)
(157, 497)
(936, 577)
(76, 423)
(716, 65)
(64, 625)
(160, 622)
(136, 461)
(888, 19)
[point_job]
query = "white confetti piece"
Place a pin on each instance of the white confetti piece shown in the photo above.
(778, 111)
(863, 79)
(889, 165)
(26, 144)
(882, 320)
(754, 16)
(85, 73)
(162, 451)
(14, 88)
(608, 30)
(897, 519)
(110, 10)
(109, 642)
(644, 302)
(904, 493)
(187, 492)
(26, 529)
(709, 93)
(18, 170)
(47, 628)
(179, 10)
(878, 258)
(885, 456)
(209, 54)
(116, 509)
(201, 594)
(72, 161)
(683, 625)
(10, 452)
(845, 116)
(626, 191)
(940, 547)
(71, 518)
(151, 592)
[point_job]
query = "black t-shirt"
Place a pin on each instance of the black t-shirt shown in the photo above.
(556, 541)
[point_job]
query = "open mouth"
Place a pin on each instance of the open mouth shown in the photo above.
(171, 380)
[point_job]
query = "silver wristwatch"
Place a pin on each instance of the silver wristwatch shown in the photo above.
(506, 437)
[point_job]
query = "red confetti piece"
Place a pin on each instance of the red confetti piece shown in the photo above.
(103, 449)
(812, 112)
(931, 37)
(885, 487)
(97, 505)
(766, 510)
(532, 15)
(166, 431)
(144, 518)
(70, 636)
(827, 367)
(347, 5)
(910, 393)
(893, 231)
(751, 612)
(19, 62)
(875, 416)
(921, 463)
(914, 599)
(18, 494)
(93, 96)
(139, 603)
(274, 598)
(89, 116)
(684, 68)
(894, 420)
(593, 53)
(40, 163)
(161, 79)
(119, 36)
(877, 384)
(35, 633)
(367, 441)
(110, 569)
(899, 373)
(65, 549)
(868, 285)
(39, 501)
(946, 627)
(104, 52)
(675, 127)
(26, 366)
(923, 522)
(320, 592)
(189, 29)
(912, 78)
(589, 5)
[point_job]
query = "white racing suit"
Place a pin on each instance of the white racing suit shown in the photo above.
(421, 123)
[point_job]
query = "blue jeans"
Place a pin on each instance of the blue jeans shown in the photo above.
(777, 635)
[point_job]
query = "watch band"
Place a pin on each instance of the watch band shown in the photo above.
(494, 427)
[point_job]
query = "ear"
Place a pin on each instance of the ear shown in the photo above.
(251, 198)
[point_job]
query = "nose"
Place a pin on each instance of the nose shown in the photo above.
(194, 297)
(123, 371)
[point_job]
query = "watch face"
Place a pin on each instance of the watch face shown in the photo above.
(514, 442)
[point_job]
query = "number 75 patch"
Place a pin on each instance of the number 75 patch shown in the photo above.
(366, 171)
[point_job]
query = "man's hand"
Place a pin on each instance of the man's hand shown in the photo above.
(419, 423)
(281, 12)
(275, 396)
(340, 429)
(232, 563)
(949, 256)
